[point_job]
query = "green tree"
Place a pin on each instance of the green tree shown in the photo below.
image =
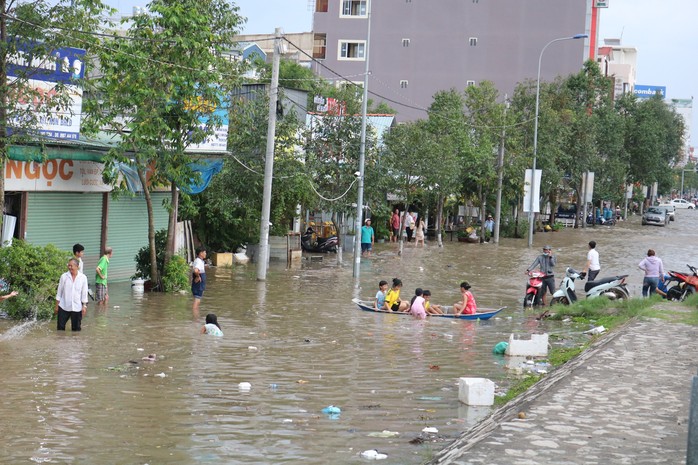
(160, 90)
(35, 31)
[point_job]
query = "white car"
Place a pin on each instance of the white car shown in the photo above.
(679, 203)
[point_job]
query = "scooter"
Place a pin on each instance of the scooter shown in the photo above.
(600, 220)
(614, 288)
(686, 284)
(310, 242)
(533, 289)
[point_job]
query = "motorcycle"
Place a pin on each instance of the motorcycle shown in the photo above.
(534, 296)
(614, 288)
(310, 242)
(600, 220)
(686, 284)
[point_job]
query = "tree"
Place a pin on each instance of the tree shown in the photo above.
(162, 88)
(31, 36)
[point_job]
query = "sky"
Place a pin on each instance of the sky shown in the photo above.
(663, 32)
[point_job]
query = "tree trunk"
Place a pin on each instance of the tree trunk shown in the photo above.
(154, 278)
(439, 220)
(4, 102)
(172, 224)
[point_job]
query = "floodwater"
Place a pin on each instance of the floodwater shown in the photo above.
(302, 345)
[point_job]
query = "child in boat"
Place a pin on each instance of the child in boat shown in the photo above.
(392, 298)
(379, 302)
(417, 305)
(211, 327)
(467, 305)
(428, 306)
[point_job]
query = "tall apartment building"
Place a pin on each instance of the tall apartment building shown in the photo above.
(418, 47)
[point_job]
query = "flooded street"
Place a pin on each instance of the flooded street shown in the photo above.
(302, 345)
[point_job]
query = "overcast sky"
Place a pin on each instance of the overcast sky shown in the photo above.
(663, 31)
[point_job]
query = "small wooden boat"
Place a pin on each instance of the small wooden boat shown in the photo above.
(367, 306)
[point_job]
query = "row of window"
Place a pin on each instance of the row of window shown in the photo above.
(353, 49)
(351, 8)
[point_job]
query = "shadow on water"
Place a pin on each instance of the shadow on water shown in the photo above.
(301, 344)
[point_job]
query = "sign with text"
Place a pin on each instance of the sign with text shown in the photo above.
(642, 91)
(601, 3)
(42, 74)
(527, 192)
(55, 175)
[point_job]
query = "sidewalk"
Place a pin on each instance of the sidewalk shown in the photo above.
(623, 401)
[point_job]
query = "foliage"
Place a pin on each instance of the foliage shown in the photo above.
(34, 272)
(518, 387)
(229, 210)
(157, 86)
(37, 28)
(142, 257)
(175, 276)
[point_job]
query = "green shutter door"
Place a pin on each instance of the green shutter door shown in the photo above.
(127, 231)
(64, 218)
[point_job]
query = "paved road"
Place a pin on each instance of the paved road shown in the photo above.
(624, 401)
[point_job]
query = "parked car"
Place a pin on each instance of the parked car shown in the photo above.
(655, 215)
(679, 203)
(670, 211)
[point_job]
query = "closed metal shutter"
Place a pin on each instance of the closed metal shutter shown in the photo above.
(127, 231)
(65, 218)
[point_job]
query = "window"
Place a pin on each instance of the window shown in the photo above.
(356, 8)
(352, 50)
(473, 41)
(469, 83)
(403, 84)
(321, 6)
(405, 42)
(319, 46)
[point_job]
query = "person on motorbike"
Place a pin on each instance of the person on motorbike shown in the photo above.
(546, 263)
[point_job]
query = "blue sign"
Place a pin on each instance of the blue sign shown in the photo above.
(649, 91)
(36, 61)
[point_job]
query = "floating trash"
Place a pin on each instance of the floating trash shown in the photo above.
(384, 434)
(331, 410)
(500, 348)
(430, 430)
(244, 386)
(373, 454)
(429, 398)
(161, 375)
(251, 348)
(597, 330)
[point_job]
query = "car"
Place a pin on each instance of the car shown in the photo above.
(679, 203)
(670, 211)
(655, 215)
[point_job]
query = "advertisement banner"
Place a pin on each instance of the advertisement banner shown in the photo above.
(642, 91)
(65, 66)
(527, 190)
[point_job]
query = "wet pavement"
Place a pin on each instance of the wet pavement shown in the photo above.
(623, 401)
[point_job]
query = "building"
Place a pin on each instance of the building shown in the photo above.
(419, 47)
(619, 62)
(299, 48)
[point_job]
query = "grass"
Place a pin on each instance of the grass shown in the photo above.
(610, 314)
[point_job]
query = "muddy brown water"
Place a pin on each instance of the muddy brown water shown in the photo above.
(302, 345)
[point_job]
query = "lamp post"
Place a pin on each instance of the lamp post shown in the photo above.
(531, 214)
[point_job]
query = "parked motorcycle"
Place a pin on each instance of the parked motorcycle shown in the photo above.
(534, 296)
(614, 288)
(310, 242)
(600, 220)
(686, 284)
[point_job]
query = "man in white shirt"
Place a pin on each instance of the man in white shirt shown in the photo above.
(198, 282)
(71, 297)
(409, 225)
(593, 267)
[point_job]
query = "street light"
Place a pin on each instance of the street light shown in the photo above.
(531, 214)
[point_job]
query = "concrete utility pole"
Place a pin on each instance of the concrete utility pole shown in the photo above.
(263, 255)
(362, 157)
(500, 175)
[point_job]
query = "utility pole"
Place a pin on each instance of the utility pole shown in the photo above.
(362, 157)
(263, 256)
(500, 174)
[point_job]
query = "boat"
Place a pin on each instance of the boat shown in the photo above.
(367, 306)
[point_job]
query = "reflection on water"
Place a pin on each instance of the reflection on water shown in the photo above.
(301, 343)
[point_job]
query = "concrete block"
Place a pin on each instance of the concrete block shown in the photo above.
(537, 346)
(476, 391)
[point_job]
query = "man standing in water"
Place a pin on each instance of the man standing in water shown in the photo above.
(546, 262)
(71, 297)
(198, 282)
(593, 266)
